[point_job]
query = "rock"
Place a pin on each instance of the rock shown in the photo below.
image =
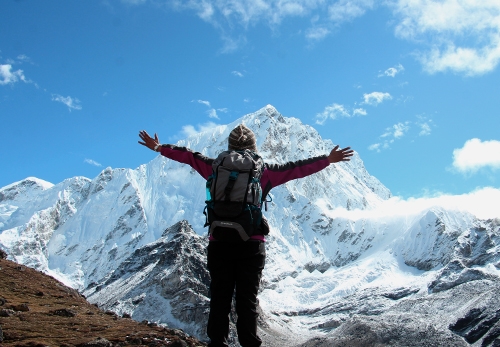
(134, 340)
(112, 314)
(22, 307)
(64, 312)
(179, 332)
(476, 323)
(99, 342)
(6, 312)
(3, 254)
(456, 273)
(400, 293)
(69, 291)
(2, 301)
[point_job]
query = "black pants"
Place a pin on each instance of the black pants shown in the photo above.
(234, 265)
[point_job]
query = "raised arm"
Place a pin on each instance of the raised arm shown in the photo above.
(277, 174)
(199, 162)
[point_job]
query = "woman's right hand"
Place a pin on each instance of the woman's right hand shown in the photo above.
(149, 142)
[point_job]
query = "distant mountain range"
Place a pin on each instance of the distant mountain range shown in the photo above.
(132, 241)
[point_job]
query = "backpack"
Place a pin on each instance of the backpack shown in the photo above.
(234, 196)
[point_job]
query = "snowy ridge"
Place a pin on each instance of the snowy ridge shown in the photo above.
(340, 257)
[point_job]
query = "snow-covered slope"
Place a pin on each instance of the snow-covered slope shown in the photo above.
(133, 241)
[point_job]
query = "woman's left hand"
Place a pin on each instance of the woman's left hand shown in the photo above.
(337, 155)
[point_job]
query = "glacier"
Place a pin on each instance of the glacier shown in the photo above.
(344, 264)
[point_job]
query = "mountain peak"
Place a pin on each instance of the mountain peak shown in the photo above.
(23, 187)
(266, 111)
(29, 182)
(270, 110)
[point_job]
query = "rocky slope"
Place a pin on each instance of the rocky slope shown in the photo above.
(37, 310)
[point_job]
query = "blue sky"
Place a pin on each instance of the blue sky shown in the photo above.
(411, 85)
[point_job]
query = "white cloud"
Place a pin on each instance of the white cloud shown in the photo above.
(231, 44)
(332, 111)
(458, 35)
(212, 113)
(359, 112)
(391, 134)
(317, 34)
(376, 98)
(72, 103)
(477, 202)
(336, 111)
(425, 125)
(237, 73)
(134, 2)
(379, 146)
(462, 35)
(205, 11)
(396, 131)
(23, 58)
(223, 14)
(425, 129)
(216, 12)
(7, 76)
(92, 162)
(274, 12)
(392, 71)
(399, 130)
(477, 154)
(204, 102)
(346, 10)
(471, 61)
(190, 130)
(375, 147)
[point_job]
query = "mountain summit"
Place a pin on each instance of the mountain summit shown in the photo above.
(132, 240)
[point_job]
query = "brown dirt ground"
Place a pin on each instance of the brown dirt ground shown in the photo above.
(36, 310)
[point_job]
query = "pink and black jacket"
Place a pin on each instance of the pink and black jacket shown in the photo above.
(273, 175)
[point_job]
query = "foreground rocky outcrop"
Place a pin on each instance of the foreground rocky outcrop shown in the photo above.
(37, 310)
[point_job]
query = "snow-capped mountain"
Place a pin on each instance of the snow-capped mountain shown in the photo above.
(132, 240)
